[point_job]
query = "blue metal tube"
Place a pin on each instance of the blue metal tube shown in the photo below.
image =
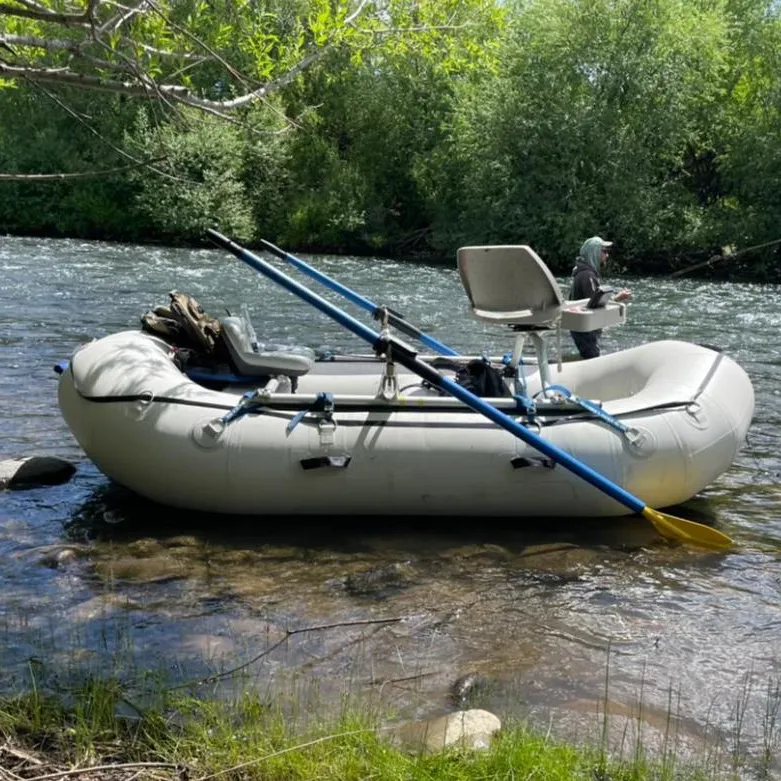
(394, 318)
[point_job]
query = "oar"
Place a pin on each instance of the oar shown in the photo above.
(394, 318)
(667, 525)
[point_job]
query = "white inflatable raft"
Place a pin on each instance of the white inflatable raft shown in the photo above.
(643, 428)
(676, 414)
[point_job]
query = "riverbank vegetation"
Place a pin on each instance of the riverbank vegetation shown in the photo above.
(93, 731)
(401, 129)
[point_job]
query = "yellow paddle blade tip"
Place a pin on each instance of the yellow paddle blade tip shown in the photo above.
(690, 532)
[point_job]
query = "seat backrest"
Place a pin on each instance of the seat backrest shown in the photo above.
(236, 335)
(509, 284)
(268, 360)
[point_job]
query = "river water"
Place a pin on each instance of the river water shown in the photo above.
(554, 621)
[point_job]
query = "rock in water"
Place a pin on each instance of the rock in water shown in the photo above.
(380, 582)
(34, 470)
(467, 689)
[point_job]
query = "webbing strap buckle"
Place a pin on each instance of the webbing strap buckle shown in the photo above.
(323, 404)
(634, 436)
(242, 408)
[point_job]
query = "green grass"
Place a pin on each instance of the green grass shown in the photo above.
(135, 724)
(94, 724)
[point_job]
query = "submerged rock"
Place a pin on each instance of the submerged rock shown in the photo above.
(35, 470)
(155, 569)
(56, 556)
(468, 688)
(380, 582)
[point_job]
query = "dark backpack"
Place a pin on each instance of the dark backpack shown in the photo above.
(482, 379)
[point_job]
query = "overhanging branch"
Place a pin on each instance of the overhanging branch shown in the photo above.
(79, 175)
(131, 67)
(173, 92)
(39, 14)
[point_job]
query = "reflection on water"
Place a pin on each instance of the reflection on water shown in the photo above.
(534, 616)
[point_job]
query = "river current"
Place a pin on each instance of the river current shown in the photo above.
(552, 623)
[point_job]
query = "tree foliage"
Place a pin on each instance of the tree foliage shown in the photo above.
(360, 161)
(399, 126)
(616, 117)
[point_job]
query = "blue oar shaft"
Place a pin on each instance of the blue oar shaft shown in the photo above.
(394, 318)
(582, 470)
(319, 303)
(408, 358)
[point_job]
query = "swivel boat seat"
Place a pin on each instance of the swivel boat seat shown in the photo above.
(256, 360)
(510, 285)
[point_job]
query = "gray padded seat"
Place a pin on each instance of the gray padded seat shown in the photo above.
(510, 284)
(267, 360)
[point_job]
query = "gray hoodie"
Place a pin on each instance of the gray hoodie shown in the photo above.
(588, 265)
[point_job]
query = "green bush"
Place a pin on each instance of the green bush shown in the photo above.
(194, 181)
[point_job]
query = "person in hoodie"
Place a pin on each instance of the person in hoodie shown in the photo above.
(586, 278)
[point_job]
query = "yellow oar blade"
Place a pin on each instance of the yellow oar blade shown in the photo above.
(687, 531)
